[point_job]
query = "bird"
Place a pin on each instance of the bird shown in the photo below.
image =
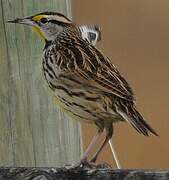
(85, 83)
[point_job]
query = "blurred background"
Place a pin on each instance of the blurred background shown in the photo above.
(135, 36)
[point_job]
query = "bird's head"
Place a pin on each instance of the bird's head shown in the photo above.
(47, 24)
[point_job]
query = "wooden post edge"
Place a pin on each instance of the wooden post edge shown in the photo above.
(80, 173)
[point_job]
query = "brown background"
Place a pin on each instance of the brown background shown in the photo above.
(135, 35)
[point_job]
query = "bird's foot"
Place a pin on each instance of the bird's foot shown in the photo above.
(87, 164)
(84, 163)
(104, 165)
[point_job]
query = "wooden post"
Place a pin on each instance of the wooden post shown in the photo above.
(33, 132)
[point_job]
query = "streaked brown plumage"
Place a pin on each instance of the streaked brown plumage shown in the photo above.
(84, 81)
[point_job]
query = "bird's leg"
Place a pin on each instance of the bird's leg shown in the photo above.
(83, 161)
(100, 149)
(109, 132)
(91, 145)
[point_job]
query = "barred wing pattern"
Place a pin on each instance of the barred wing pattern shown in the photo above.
(89, 64)
(95, 78)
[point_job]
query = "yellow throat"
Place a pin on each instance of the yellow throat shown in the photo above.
(39, 32)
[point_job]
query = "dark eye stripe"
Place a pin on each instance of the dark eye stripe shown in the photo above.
(56, 22)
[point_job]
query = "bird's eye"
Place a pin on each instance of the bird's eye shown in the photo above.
(44, 20)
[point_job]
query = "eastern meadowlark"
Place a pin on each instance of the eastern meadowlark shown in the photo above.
(84, 81)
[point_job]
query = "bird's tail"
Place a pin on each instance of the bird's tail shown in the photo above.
(131, 115)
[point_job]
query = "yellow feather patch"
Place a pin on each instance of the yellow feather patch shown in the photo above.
(39, 32)
(39, 17)
(36, 29)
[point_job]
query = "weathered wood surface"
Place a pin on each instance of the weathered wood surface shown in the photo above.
(80, 173)
(33, 132)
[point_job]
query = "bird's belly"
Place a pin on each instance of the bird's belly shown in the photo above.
(75, 113)
(83, 105)
(76, 107)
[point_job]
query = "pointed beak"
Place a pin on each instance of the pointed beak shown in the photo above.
(26, 21)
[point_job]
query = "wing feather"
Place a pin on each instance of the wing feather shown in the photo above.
(95, 69)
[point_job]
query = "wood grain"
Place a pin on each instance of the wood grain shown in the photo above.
(33, 132)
